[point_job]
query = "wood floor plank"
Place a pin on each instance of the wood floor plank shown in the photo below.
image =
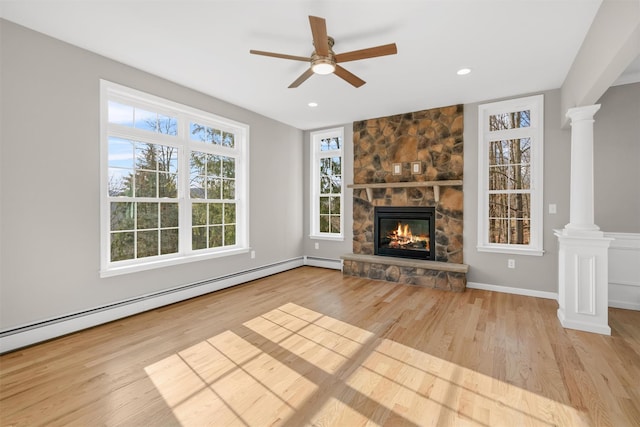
(311, 347)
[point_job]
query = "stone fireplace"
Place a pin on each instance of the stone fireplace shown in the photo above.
(410, 161)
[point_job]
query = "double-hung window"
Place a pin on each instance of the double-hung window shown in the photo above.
(327, 187)
(510, 176)
(174, 182)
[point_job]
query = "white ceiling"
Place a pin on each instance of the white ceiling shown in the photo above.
(513, 47)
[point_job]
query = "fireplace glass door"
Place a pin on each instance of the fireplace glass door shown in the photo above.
(407, 232)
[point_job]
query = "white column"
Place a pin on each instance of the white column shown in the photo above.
(581, 219)
(583, 251)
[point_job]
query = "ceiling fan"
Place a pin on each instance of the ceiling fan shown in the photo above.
(324, 61)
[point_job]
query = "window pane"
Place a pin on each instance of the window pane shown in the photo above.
(228, 140)
(120, 153)
(325, 185)
(228, 167)
(335, 223)
(122, 246)
(228, 189)
(336, 184)
(147, 215)
(198, 163)
(167, 125)
(324, 224)
(519, 205)
(520, 177)
(169, 215)
(120, 114)
(215, 213)
(229, 235)
(324, 205)
(196, 190)
(147, 244)
(168, 241)
(168, 159)
(335, 205)
(511, 120)
(229, 213)
(499, 153)
(147, 120)
(122, 216)
(498, 230)
(498, 205)
(337, 165)
(120, 182)
(146, 184)
(197, 132)
(214, 188)
(167, 185)
(199, 238)
(199, 214)
(214, 165)
(215, 236)
(325, 166)
(146, 156)
(328, 144)
(216, 136)
(499, 177)
(519, 232)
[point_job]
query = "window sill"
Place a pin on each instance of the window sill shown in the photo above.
(511, 250)
(159, 263)
(319, 237)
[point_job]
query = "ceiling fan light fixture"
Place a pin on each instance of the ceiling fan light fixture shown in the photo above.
(323, 67)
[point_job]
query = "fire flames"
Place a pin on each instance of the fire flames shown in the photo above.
(403, 238)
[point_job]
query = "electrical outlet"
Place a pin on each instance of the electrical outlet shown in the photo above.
(553, 209)
(253, 254)
(317, 245)
(511, 263)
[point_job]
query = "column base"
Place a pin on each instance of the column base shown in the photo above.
(582, 281)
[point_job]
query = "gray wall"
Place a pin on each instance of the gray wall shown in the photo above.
(50, 231)
(617, 160)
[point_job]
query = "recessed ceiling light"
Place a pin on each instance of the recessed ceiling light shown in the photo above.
(463, 71)
(312, 104)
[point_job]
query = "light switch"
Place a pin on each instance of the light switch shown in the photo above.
(552, 208)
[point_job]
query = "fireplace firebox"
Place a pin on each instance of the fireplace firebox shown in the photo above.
(406, 232)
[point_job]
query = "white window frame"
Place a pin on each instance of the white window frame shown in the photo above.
(185, 114)
(535, 104)
(316, 155)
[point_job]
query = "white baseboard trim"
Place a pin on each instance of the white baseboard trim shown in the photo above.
(515, 291)
(334, 264)
(624, 305)
(33, 333)
(582, 326)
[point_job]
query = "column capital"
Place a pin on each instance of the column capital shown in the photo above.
(582, 113)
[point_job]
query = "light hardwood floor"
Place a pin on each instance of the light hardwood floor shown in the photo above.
(310, 347)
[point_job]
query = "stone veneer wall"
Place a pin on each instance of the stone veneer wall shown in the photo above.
(432, 137)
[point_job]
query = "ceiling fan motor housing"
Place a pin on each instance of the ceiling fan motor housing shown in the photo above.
(324, 64)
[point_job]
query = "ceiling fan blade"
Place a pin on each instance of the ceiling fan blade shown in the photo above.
(319, 32)
(279, 55)
(372, 52)
(304, 76)
(348, 76)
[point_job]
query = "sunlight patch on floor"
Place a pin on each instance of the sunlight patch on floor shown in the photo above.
(274, 366)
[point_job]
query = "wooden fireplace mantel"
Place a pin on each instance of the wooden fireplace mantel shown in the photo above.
(435, 184)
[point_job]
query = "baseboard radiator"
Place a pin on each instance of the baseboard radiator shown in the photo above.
(26, 335)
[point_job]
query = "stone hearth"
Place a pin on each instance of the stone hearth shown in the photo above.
(432, 138)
